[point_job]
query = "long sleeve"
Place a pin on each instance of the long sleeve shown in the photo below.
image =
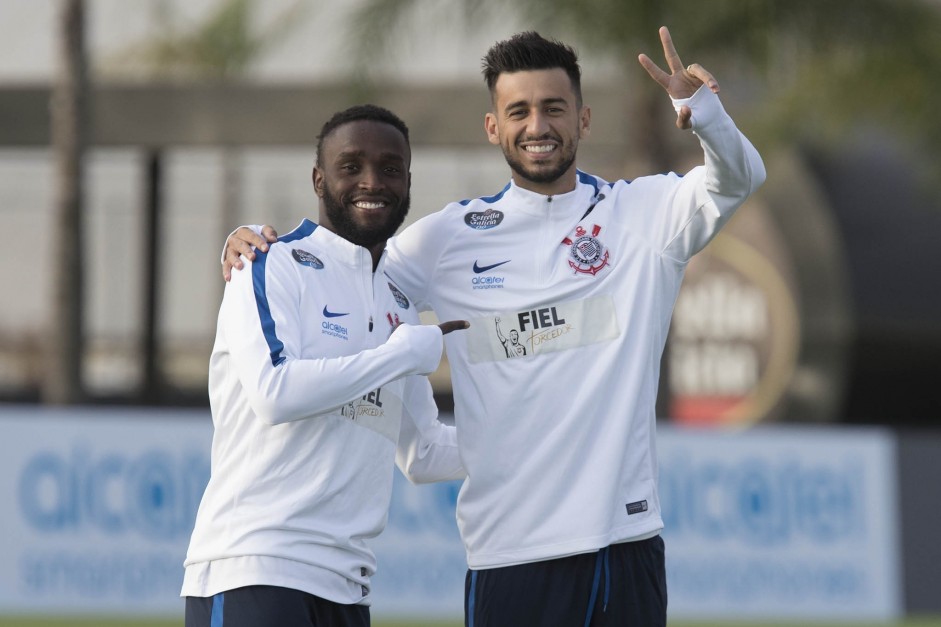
(427, 449)
(733, 167)
(706, 197)
(261, 323)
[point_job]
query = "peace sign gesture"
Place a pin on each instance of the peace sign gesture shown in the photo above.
(680, 82)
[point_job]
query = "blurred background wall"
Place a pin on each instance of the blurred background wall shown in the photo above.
(816, 304)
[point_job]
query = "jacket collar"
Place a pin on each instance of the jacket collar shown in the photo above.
(577, 200)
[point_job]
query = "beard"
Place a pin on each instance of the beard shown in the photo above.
(367, 236)
(542, 176)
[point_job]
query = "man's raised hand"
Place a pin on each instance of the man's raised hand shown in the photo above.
(681, 82)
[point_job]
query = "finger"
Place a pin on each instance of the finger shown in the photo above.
(236, 247)
(684, 118)
(231, 261)
(673, 59)
(246, 239)
(453, 325)
(269, 233)
(703, 75)
(654, 70)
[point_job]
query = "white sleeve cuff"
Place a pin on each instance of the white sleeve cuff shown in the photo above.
(704, 104)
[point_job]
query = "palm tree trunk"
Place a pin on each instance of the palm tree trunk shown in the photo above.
(63, 379)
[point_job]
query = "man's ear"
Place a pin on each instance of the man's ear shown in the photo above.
(317, 176)
(584, 122)
(490, 126)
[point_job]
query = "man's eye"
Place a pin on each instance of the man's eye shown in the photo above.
(349, 167)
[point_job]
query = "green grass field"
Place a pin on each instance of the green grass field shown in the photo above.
(14, 621)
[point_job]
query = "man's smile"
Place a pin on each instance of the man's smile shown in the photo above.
(539, 148)
(371, 204)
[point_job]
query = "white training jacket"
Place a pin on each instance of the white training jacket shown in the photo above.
(569, 299)
(309, 396)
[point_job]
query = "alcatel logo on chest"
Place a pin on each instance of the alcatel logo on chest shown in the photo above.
(483, 278)
(330, 326)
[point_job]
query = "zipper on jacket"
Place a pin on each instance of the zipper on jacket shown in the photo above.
(546, 234)
(370, 323)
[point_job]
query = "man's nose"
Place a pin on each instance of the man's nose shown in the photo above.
(371, 179)
(538, 125)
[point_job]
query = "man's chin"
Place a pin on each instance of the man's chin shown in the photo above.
(542, 175)
(540, 172)
(373, 232)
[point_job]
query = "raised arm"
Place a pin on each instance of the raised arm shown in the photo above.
(703, 200)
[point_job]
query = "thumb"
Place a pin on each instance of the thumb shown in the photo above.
(684, 118)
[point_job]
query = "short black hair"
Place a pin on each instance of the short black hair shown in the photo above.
(531, 51)
(356, 113)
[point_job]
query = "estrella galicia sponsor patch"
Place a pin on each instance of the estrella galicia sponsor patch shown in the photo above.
(306, 259)
(587, 255)
(399, 296)
(542, 329)
(483, 220)
(636, 507)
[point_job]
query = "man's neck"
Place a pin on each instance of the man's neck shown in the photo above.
(562, 185)
(376, 253)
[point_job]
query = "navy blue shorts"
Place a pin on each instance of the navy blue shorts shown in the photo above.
(271, 606)
(622, 585)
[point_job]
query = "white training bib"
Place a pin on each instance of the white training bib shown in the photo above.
(544, 329)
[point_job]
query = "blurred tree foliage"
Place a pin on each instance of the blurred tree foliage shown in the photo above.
(811, 70)
(221, 46)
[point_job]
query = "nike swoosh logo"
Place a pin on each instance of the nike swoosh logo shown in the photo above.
(330, 314)
(479, 269)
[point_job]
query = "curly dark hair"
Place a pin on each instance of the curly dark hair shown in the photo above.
(356, 113)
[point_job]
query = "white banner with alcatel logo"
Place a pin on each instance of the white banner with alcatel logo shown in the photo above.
(98, 505)
(781, 522)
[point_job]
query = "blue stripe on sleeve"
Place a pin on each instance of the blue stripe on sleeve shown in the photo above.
(275, 345)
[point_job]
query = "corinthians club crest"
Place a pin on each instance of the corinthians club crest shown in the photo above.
(587, 255)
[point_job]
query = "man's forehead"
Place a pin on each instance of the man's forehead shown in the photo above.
(367, 136)
(551, 83)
